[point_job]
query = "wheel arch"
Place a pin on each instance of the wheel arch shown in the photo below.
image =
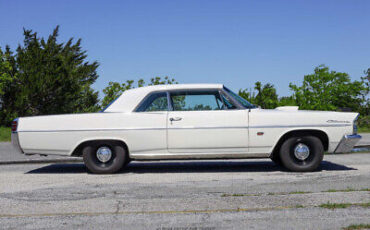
(77, 151)
(323, 136)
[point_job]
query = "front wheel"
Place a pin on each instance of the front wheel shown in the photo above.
(104, 157)
(302, 154)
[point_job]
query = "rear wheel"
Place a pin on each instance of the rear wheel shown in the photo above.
(104, 157)
(302, 154)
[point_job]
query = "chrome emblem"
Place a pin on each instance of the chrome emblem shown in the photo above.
(336, 121)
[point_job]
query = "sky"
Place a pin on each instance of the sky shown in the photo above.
(203, 41)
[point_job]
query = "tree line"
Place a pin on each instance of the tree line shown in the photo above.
(44, 76)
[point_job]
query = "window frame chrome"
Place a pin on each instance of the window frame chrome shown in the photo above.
(218, 90)
(236, 101)
(232, 100)
(146, 98)
(170, 107)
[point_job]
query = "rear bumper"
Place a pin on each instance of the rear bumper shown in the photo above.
(15, 142)
(347, 143)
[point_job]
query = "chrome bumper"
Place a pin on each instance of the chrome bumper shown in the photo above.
(15, 142)
(347, 143)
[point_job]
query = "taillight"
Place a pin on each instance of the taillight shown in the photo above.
(15, 125)
(355, 125)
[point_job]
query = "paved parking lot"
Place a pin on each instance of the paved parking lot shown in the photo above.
(235, 194)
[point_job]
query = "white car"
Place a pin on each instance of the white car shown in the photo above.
(187, 121)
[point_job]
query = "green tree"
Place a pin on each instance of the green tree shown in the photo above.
(328, 90)
(7, 75)
(262, 95)
(115, 89)
(364, 119)
(266, 95)
(248, 95)
(365, 110)
(50, 78)
(5, 71)
(287, 101)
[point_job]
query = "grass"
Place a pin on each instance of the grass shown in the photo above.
(236, 194)
(349, 190)
(299, 192)
(363, 130)
(343, 205)
(287, 193)
(365, 205)
(295, 192)
(335, 205)
(357, 226)
(4, 134)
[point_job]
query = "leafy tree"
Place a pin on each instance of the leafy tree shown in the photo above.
(364, 119)
(50, 78)
(328, 90)
(248, 95)
(266, 96)
(115, 89)
(5, 71)
(200, 107)
(159, 104)
(7, 75)
(365, 110)
(287, 101)
(158, 81)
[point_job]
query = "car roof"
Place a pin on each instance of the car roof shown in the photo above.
(132, 97)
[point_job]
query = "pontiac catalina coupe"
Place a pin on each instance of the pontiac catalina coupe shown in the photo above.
(188, 121)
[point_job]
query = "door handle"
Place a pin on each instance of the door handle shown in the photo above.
(175, 119)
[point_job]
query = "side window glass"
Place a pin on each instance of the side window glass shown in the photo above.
(219, 102)
(227, 103)
(195, 101)
(155, 102)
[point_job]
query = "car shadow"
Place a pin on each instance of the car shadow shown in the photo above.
(188, 166)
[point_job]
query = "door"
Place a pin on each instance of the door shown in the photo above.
(202, 121)
(151, 117)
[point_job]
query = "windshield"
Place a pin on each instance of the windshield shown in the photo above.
(246, 104)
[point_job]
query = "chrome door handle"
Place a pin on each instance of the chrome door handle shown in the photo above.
(175, 119)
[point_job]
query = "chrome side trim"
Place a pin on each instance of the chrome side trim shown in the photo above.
(210, 127)
(194, 127)
(87, 130)
(347, 143)
(187, 156)
(298, 126)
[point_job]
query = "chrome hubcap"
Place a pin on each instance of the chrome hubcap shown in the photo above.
(301, 151)
(104, 154)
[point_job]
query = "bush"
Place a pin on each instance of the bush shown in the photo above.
(4, 134)
(364, 122)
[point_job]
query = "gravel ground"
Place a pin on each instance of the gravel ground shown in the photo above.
(235, 194)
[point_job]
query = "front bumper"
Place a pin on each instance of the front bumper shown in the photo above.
(15, 142)
(347, 143)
